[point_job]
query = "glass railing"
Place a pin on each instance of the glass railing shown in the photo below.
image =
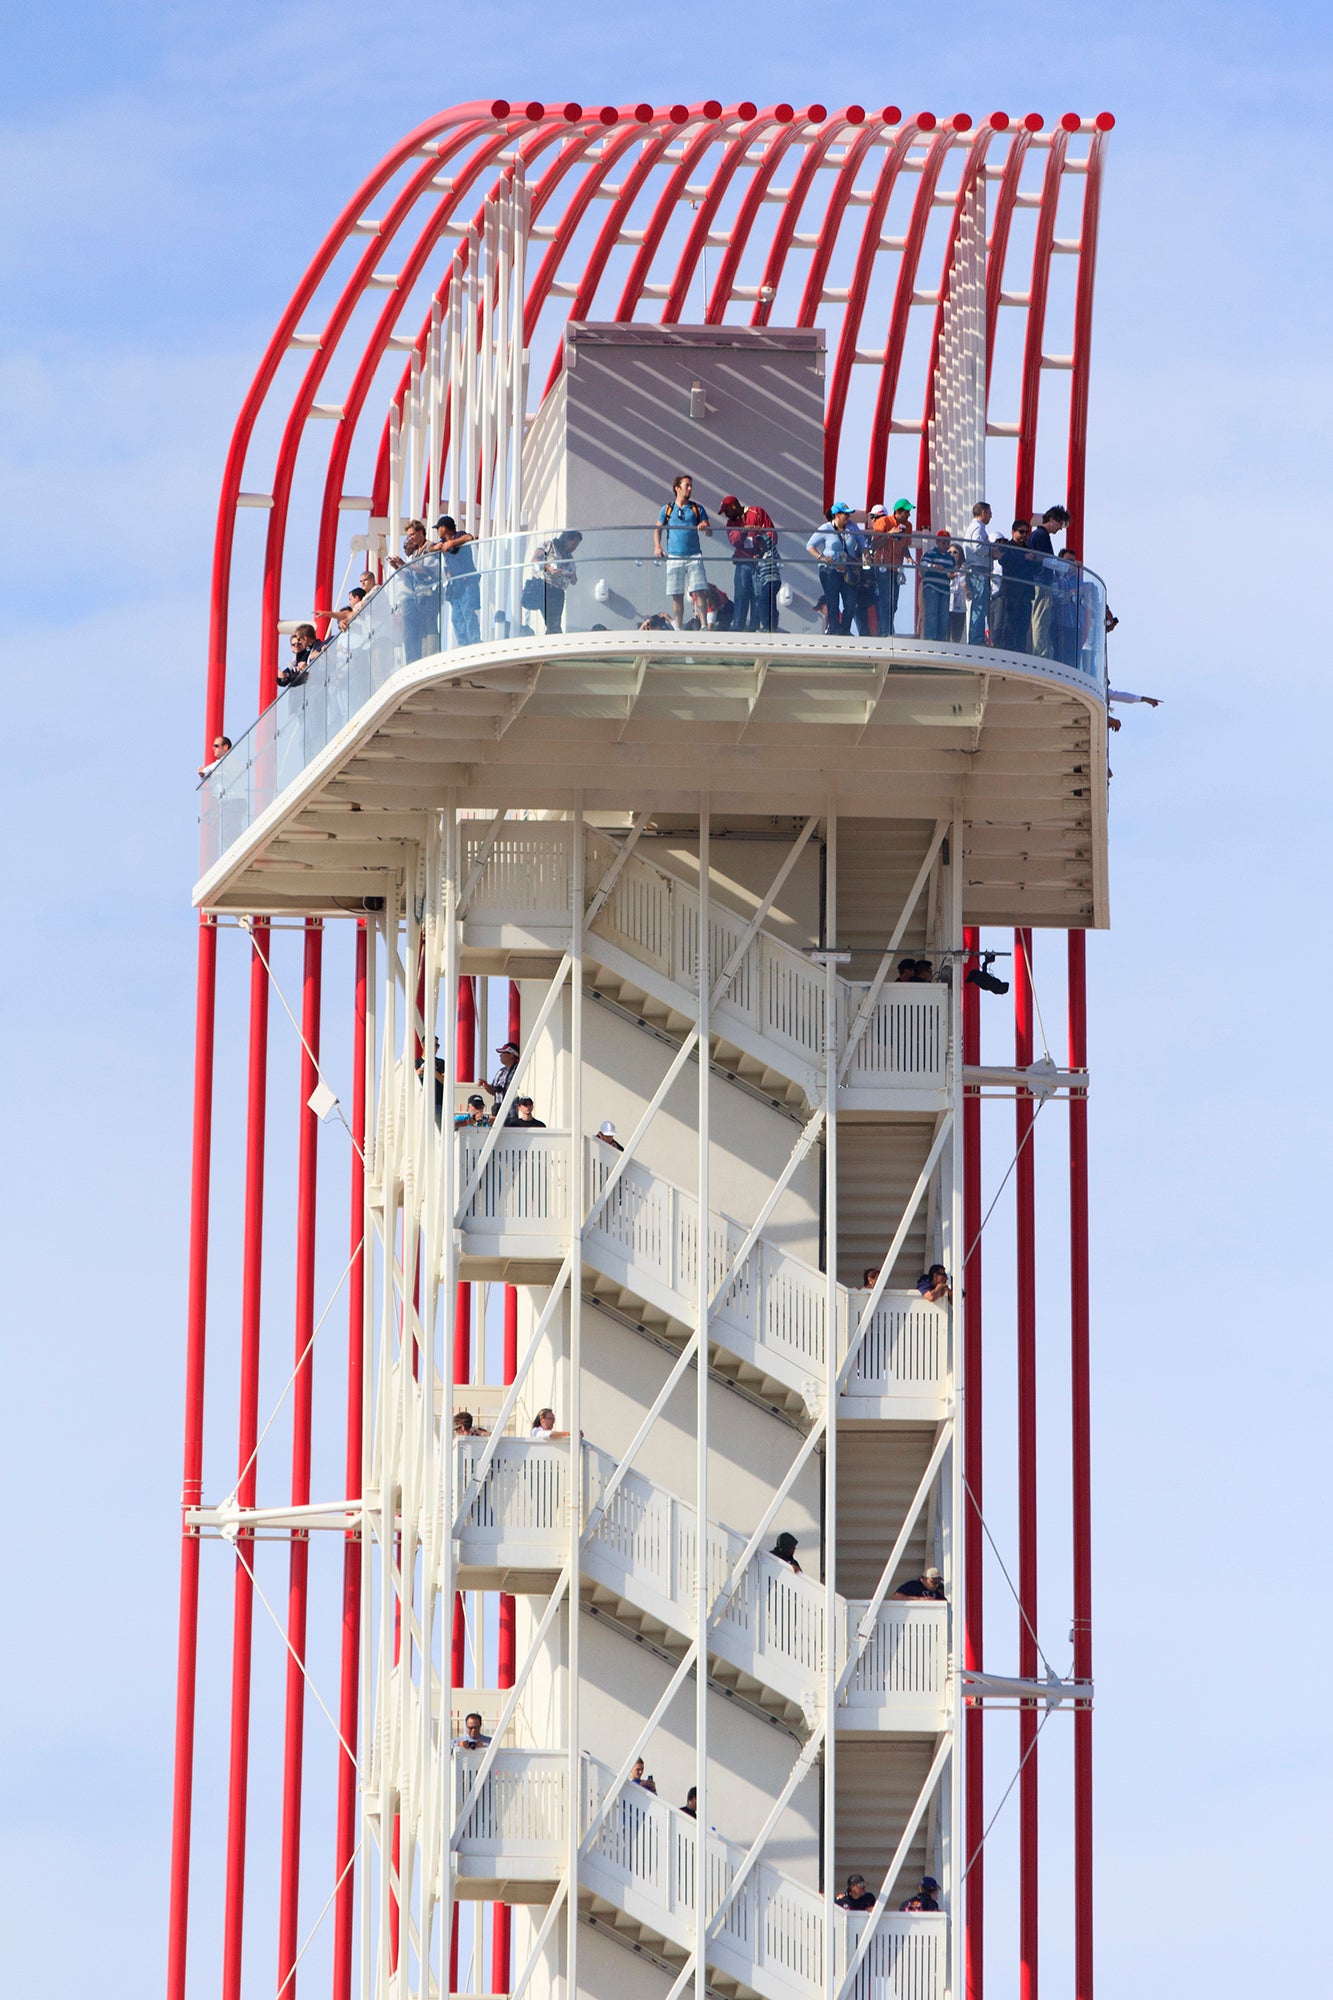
(531, 587)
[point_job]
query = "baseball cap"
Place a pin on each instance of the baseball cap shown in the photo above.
(929, 1882)
(477, 1102)
(933, 1576)
(840, 507)
(503, 1048)
(606, 1129)
(900, 505)
(878, 508)
(727, 501)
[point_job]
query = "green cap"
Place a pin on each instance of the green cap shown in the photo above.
(902, 506)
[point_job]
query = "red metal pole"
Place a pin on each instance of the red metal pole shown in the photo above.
(252, 1258)
(506, 1648)
(465, 1046)
(187, 1650)
(307, 1170)
(1025, 1185)
(348, 1703)
(974, 1776)
(1080, 1374)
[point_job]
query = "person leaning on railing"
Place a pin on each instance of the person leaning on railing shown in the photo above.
(304, 645)
(419, 594)
(927, 1897)
(838, 546)
(856, 1896)
(472, 1737)
(755, 572)
(938, 563)
(462, 593)
(1052, 522)
(222, 744)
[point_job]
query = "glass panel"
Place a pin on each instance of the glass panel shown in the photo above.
(938, 589)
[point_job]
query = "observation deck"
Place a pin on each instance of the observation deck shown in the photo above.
(441, 688)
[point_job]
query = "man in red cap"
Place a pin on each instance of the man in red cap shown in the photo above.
(754, 544)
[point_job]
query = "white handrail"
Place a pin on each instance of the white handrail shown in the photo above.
(772, 989)
(644, 1856)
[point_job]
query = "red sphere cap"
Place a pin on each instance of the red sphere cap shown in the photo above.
(1104, 121)
(783, 113)
(998, 121)
(1034, 121)
(500, 108)
(746, 110)
(534, 110)
(712, 109)
(891, 114)
(573, 111)
(961, 122)
(679, 114)
(608, 114)
(1071, 121)
(855, 114)
(817, 114)
(925, 121)
(644, 113)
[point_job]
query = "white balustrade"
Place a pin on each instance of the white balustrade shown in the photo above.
(518, 1813)
(644, 1857)
(905, 1040)
(524, 1187)
(523, 1499)
(904, 1350)
(776, 995)
(906, 1658)
(646, 1546)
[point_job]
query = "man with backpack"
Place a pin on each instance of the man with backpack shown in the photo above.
(681, 522)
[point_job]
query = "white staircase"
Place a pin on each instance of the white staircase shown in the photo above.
(641, 1864)
(768, 1328)
(640, 1557)
(768, 1025)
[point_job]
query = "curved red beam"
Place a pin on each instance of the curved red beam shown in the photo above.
(877, 457)
(1030, 394)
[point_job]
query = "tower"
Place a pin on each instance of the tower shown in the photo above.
(682, 871)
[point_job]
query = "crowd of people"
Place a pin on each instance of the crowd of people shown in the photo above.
(1016, 591)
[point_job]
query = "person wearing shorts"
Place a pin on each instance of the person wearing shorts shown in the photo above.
(676, 537)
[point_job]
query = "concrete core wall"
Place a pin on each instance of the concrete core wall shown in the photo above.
(739, 408)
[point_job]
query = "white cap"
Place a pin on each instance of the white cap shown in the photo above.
(606, 1130)
(879, 508)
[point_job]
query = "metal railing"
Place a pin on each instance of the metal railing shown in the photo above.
(773, 1311)
(643, 1857)
(776, 994)
(1048, 609)
(645, 1545)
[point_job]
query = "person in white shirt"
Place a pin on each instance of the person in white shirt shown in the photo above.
(222, 744)
(472, 1737)
(977, 556)
(1122, 694)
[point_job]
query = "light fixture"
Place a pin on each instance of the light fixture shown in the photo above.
(601, 590)
(985, 978)
(698, 402)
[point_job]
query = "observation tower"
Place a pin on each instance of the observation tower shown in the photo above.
(675, 835)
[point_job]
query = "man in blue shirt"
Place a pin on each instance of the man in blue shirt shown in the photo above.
(838, 547)
(681, 523)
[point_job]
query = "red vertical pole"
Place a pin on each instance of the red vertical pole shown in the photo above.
(1025, 1185)
(349, 1688)
(187, 1649)
(506, 1649)
(1080, 1375)
(307, 1168)
(252, 1257)
(974, 1777)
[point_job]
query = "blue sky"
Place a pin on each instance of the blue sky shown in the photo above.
(166, 172)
